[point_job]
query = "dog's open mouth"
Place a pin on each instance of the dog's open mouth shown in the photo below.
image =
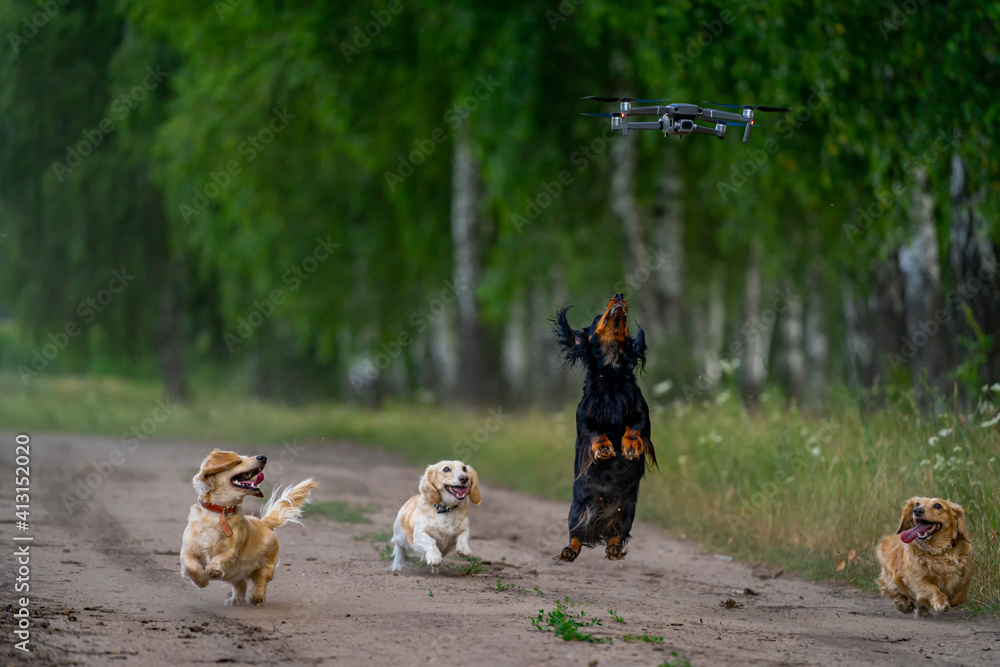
(459, 492)
(619, 312)
(249, 481)
(921, 531)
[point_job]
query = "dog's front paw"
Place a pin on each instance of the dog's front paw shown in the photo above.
(601, 448)
(903, 604)
(464, 552)
(567, 555)
(940, 606)
(213, 572)
(632, 447)
(235, 602)
(257, 599)
(434, 562)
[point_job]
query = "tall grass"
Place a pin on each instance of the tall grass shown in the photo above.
(810, 494)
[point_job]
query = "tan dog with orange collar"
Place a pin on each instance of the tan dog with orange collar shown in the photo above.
(220, 542)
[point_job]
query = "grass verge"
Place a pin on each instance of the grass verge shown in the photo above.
(809, 494)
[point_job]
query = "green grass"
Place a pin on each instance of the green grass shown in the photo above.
(646, 637)
(340, 512)
(675, 661)
(615, 617)
(503, 585)
(801, 492)
(566, 625)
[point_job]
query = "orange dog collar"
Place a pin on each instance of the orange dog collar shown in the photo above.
(224, 512)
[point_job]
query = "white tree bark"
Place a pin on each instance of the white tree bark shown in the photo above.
(625, 208)
(755, 331)
(668, 235)
(793, 352)
(928, 347)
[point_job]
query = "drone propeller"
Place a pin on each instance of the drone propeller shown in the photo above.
(746, 106)
(603, 115)
(619, 99)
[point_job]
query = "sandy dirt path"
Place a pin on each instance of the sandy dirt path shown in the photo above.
(106, 585)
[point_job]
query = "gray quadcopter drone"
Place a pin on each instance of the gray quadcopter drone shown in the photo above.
(679, 118)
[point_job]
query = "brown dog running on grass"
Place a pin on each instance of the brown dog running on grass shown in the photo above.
(220, 542)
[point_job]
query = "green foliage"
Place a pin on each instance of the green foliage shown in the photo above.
(384, 551)
(566, 625)
(474, 566)
(615, 617)
(675, 661)
(645, 637)
(503, 585)
(860, 77)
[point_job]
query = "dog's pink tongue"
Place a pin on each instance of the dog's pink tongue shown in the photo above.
(911, 534)
(258, 479)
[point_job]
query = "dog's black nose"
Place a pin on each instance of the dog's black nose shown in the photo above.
(618, 296)
(262, 458)
(918, 512)
(463, 479)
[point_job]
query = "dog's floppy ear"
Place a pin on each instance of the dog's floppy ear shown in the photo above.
(906, 520)
(428, 486)
(475, 495)
(639, 344)
(958, 516)
(570, 340)
(216, 462)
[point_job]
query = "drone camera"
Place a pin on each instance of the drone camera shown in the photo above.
(684, 126)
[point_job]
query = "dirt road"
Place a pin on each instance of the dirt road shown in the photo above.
(105, 581)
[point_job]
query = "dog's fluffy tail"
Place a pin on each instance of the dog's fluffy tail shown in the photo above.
(286, 506)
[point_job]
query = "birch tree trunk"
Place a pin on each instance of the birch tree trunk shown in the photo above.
(625, 208)
(170, 332)
(516, 348)
(476, 380)
(977, 278)
(928, 347)
(793, 354)
(817, 342)
(668, 236)
(753, 330)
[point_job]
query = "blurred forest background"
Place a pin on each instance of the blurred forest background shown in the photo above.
(358, 200)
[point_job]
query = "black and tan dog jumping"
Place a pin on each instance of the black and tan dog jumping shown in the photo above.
(613, 446)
